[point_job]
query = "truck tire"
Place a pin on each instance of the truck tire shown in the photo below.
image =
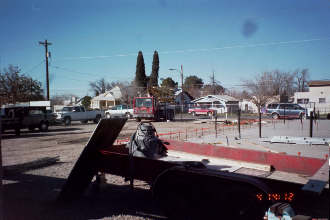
(128, 115)
(138, 119)
(67, 121)
(108, 115)
(43, 127)
(97, 119)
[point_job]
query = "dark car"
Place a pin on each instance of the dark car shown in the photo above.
(285, 110)
(17, 117)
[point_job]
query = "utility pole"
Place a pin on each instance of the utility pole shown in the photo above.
(182, 94)
(46, 43)
(1, 178)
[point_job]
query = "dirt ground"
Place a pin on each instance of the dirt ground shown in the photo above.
(30, 191)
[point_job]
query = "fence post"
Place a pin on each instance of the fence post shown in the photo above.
(239, 123)
(216, 126)
(311, 117)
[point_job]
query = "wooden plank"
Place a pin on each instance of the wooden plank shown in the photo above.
(319, 180)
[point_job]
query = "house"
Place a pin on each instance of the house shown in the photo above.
(187, 98)
(108, 99)
(318, 96)
(248, 106)
(227, 103)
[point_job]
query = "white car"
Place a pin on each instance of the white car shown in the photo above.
(119, 111)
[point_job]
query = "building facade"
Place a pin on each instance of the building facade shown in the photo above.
(318, 96)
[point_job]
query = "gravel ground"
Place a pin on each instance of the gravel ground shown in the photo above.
(31, 194)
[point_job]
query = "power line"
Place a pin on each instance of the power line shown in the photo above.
(34, 67)
(204, 49)
(81, 73)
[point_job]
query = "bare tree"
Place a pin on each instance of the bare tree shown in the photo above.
(301, 79)
(100, 86)
(261, 90)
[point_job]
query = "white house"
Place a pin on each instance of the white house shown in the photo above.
(247, 105)
(318, 96)
(107, 99)
(223, 103)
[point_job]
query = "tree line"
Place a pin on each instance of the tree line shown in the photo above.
(17, 87)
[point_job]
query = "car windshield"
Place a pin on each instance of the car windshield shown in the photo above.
(143, 102)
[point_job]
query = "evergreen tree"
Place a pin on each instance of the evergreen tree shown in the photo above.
(140, 74)
(155, 69)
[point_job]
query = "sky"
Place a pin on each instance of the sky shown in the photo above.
(236, 39)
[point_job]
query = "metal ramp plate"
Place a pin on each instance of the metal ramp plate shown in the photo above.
(297, 140)
(85, 168)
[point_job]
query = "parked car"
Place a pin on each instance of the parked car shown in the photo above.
(201, 110)
(20, 117)
(285, 110)
(78, 113)
(119, 111)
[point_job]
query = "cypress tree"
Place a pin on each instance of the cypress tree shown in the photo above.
(155, 68)
(140, 74)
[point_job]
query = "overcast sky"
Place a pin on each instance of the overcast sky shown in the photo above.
(95, 39)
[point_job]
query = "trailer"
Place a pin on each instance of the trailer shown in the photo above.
(198, 181)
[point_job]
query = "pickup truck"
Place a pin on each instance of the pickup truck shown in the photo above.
(119, 111)
(78, 113)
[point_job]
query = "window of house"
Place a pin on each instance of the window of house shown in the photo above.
(321, 100)
(302, 101)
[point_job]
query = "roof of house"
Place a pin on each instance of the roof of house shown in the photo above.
(213, 98)
(110, 95)
(316, 83)
(107, 96)
(178, 92)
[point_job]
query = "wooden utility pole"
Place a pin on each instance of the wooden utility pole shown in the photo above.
(182, 94)
(46, 43)
(1, 178)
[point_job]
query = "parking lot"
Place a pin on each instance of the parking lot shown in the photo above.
(33, 191)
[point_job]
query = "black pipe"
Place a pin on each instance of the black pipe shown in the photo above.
(259, 122)
(239, 123)
(311, 117)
